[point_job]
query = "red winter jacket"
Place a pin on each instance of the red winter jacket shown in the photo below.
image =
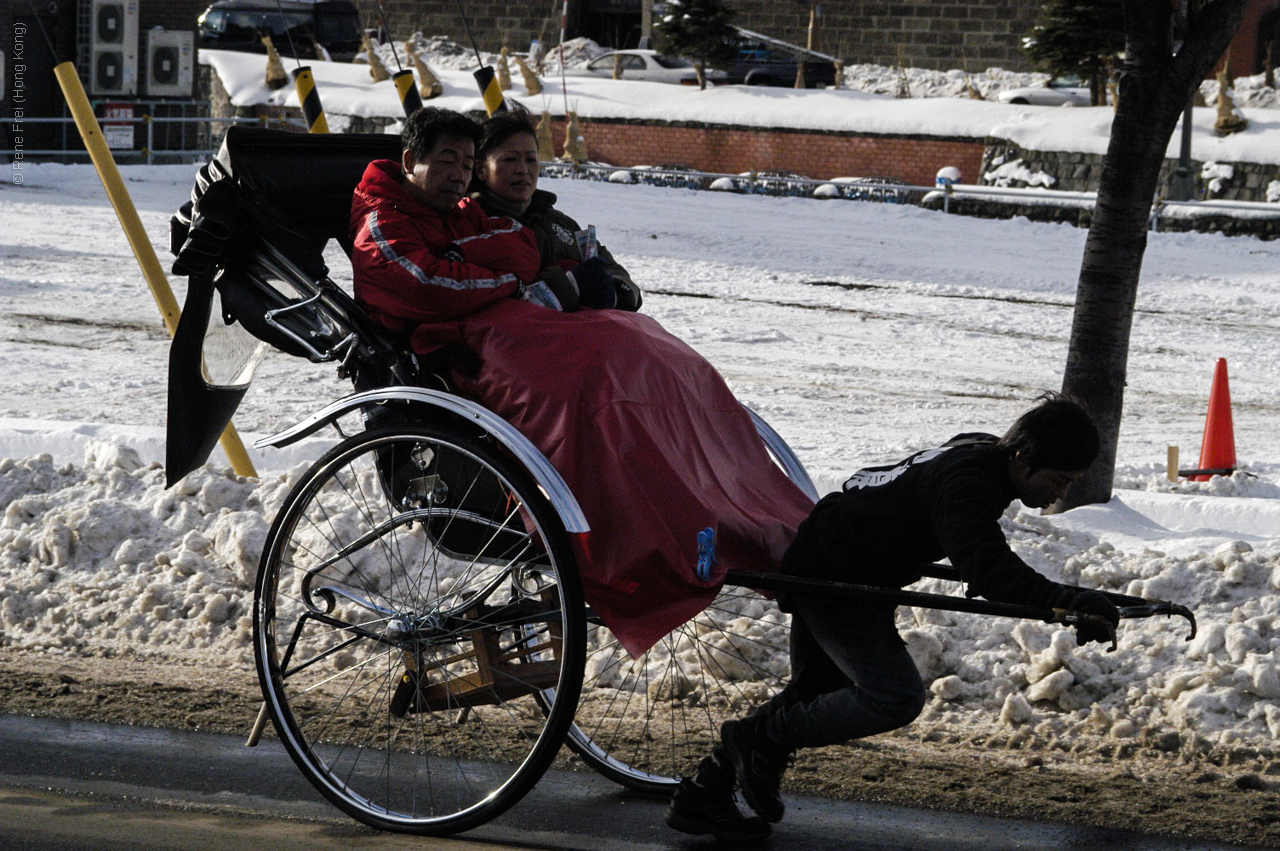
(399, 275)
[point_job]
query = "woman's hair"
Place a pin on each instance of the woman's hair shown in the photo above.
(501, 127)
(425, 127)
(1056, 434)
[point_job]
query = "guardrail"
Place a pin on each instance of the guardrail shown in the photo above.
(148, 152)
(886, 190)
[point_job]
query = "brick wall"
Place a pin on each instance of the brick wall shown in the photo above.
(733, 150)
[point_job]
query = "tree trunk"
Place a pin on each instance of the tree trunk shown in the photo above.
(1154, 88)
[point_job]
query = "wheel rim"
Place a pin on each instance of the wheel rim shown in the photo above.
(647, 722)
(414, 602)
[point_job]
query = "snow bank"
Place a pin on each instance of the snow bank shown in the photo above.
(348, 89)
(1218, 690)
(100, 558)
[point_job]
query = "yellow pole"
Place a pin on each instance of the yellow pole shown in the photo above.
(109, 174)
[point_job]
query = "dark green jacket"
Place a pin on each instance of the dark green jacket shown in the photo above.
(556, 241)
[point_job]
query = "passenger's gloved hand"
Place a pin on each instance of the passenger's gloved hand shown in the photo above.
(1093, 603)
(565, 290)
(453, 252)
(595, 284)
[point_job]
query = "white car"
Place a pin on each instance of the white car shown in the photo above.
(646, 65)
(1058, 92)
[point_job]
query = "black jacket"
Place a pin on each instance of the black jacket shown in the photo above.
(556, 241)
(945, 502)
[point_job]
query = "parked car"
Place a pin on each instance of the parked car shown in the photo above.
(295, 26)
(1056, 92)
(646, 65)
(760, 64)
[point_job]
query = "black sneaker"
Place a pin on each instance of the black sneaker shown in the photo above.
(759, 765)
(712, 812)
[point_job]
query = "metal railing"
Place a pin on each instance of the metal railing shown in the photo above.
(891, 191)
(205, 145)
(1161, 207)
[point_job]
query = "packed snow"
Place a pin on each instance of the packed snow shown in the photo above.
(861, 331)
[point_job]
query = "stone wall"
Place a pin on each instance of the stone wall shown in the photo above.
(1003, 161)
(938, 34)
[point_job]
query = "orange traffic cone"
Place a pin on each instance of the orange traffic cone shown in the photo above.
(1218, 449)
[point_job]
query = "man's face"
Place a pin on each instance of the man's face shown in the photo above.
(1043, 487)
(440, 179)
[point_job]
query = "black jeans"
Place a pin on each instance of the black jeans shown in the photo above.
(851, 675)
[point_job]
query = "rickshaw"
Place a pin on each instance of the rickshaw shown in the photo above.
(420, 634)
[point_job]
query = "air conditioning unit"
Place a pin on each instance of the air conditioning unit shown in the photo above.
(111, 52)
(170, 62)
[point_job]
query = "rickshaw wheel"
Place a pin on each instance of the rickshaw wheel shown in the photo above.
(417, 602)
(647, 722)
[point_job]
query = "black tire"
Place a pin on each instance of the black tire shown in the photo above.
(397, 563)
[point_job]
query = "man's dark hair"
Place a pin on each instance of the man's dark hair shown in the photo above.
(1057, 434)
(501, 127)
(428, 124)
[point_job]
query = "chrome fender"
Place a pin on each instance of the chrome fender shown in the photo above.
(544, 474)
(782, 453)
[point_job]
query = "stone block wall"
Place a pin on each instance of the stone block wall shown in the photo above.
(1075, 172)
(938, 34)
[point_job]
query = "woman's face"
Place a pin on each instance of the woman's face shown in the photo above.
(510, 169)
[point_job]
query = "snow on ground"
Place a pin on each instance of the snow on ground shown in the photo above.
(861, 331)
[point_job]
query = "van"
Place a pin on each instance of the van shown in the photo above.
(307, 29)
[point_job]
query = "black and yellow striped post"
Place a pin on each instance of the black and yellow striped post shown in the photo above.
(312, 111)
(409, 97)
(494, 102)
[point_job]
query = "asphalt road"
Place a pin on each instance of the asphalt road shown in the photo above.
(79, 786)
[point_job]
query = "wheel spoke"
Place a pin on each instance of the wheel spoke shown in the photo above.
(647, 722)
(397, 573)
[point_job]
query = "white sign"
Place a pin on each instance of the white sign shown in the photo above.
(119, 136)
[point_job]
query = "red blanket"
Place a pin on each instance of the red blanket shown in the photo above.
(653, 445)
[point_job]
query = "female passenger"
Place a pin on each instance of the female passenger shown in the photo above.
(506, 184)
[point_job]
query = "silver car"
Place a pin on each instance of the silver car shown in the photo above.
(646, 65)
(1057, 92)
